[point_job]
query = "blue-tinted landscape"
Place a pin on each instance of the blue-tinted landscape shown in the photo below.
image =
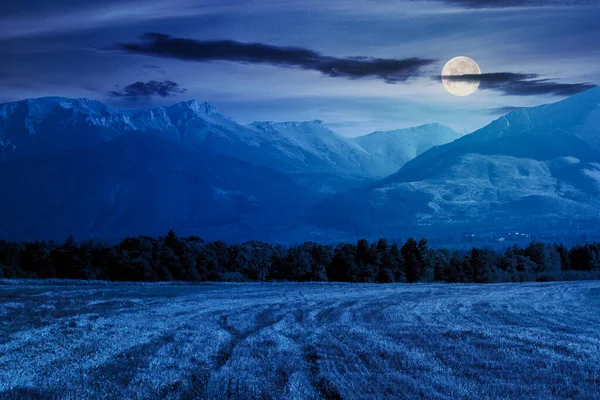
(300, 199)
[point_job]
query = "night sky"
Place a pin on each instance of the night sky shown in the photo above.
(358, 65)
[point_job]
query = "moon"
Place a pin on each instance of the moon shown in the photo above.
(460, 66)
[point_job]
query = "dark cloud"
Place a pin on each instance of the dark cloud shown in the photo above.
(145, 90)
(512, 84)
(389, 70)
(503, 110)
(518, 3)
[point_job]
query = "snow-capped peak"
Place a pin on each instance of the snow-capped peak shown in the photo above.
(197, 107)
(65, 102)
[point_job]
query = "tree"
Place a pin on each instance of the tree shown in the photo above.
(585, 258)
(385, 276)
(365, 253)
(517, 266)
(85, 253)
(427, 257)
(66, 259)
(299, 261)
(172, 241)
(418, 260)
(563, 254)
(545, 257)
(253, 259)
(319, 273)
(35, 258)
(365, 272)
(343, 266)
(396, 263)
(169, 257)
(441, 264)
(279, 269)
(455, 270)
(478, 266)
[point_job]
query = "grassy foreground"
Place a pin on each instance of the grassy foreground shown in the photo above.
(300, 341)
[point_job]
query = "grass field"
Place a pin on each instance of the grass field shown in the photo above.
(300, 341)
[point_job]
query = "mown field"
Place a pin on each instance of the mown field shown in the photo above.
(300, 341)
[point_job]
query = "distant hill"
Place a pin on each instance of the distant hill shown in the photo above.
(399, 146)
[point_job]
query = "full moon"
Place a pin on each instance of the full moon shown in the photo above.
(460, 66)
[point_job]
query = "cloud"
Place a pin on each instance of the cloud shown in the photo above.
(518, 3)
(388, 70)
(513, 84)
(145, 90)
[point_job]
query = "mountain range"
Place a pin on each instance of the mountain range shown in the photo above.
(309, 152)
(77, 166)
(534, 169)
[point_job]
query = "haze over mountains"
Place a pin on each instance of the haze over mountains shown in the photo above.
(77, 166)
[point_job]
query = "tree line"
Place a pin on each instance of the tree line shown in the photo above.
(173, 258)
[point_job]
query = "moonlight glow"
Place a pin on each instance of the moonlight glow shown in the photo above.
(460, 66)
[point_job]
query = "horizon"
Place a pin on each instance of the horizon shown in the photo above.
(324, 123)
(328, 125)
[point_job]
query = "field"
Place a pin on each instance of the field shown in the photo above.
(300, 341)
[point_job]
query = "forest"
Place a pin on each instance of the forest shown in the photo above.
(173, 258)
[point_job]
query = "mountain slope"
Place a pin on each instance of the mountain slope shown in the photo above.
(312, 142)
(399, 146)
(143, 185)
(535, 168)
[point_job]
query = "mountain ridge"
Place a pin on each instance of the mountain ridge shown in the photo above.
(303, 148)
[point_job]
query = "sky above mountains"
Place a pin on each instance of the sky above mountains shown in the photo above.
(359, 65)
